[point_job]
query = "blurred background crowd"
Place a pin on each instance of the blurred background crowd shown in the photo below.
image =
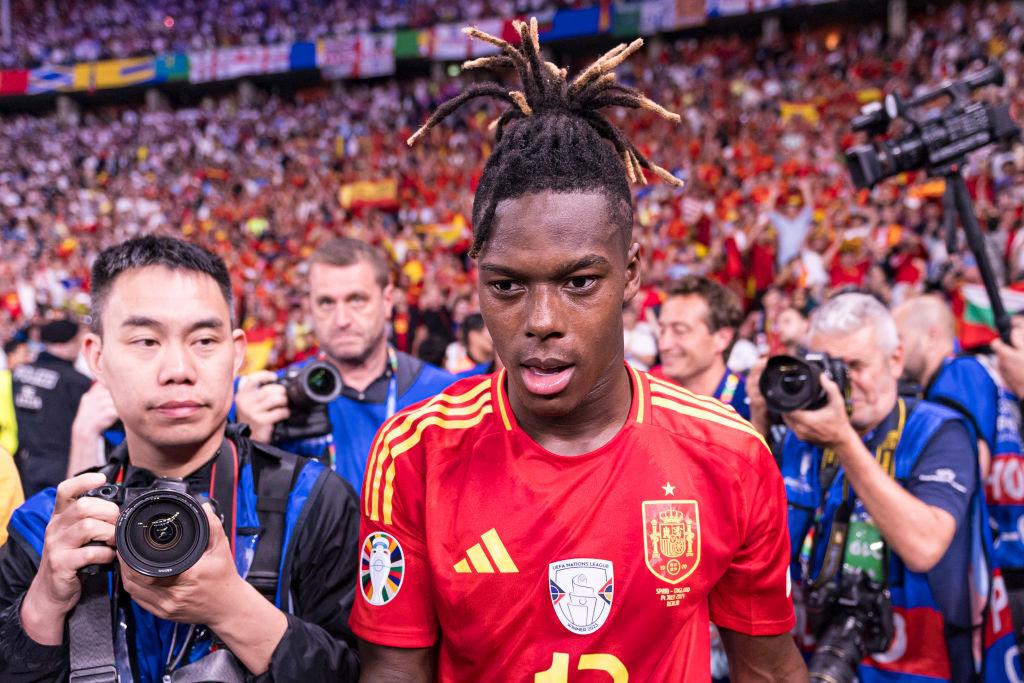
(768, 208)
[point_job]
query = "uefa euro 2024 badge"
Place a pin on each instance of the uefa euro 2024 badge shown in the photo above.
(381, 568)
(581, 593)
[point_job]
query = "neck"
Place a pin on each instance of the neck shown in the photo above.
(590, 425)
(705, 382)
(360, 375)
(171, 461)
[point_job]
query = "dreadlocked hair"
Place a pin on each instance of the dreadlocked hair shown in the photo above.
(553, 136)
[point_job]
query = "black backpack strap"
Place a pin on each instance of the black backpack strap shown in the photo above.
(275, 480)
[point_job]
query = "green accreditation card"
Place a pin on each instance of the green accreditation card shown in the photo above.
(864, 549)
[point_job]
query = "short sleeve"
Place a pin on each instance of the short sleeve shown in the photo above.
(945, 474)
(753, 595)
(394, 605)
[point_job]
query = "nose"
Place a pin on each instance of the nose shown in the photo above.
(177, 365)
(342, 316)
(542, 316)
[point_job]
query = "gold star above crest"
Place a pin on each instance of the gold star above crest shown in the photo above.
(670, 490)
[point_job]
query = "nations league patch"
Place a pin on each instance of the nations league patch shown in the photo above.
(581, 593)
(381, 568)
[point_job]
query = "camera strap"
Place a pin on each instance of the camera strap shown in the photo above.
(224, 486)
(90, 632)
(835, 551)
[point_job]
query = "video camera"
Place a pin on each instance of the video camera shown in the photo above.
(161, 530)
(961, 128)
(790, 383)
(309, 388)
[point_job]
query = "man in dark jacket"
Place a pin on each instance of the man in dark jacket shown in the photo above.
(46, 396)
(165, 347)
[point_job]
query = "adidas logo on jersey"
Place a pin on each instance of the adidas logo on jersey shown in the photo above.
(484, 562)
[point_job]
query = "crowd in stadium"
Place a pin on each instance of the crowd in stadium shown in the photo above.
(768, 202)
(56, 33)
(902, 459)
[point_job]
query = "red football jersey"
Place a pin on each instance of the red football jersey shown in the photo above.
(536, 567)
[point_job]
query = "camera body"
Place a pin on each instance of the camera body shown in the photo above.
(162, 529)
(309, 388)
(791, 383)
(849, 619)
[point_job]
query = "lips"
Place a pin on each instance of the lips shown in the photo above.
(178, 409)
(546, 376)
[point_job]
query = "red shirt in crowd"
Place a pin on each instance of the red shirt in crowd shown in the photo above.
(529, 566)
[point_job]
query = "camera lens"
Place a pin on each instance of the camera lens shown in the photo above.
(163, 532)
(793, 382)
(320, 381)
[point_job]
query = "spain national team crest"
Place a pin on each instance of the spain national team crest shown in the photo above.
(381, 569)
(581, 593)
(671, 538)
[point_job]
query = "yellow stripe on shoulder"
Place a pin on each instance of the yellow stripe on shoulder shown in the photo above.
(399, 425)
(686, 396)
(434, 420)
(708, 416)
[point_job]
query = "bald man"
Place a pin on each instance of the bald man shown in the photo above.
(928, 332)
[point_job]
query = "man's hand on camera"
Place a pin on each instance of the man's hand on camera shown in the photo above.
(829, 426)
(261, 403)
(758, 407)
(211, 592)
(56, 588)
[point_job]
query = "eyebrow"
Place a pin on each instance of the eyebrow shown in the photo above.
(579, 264)
(144, 321)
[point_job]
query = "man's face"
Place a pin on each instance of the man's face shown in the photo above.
(791, 326)
(553, 277)
(687, 345)
(873, 373)
(350, 310)
(168, 355)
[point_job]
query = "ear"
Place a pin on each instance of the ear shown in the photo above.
(238, 340)
(722, 338)
(92, 351)
(389, 300)
(633, 273)
(896, 359)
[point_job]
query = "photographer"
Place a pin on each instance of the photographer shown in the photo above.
(928, 333)
(896, 482)
(350, 298)
(164, 345)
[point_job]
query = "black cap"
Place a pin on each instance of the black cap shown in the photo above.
(58, 332)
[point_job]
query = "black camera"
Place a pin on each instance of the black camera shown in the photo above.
(849, 621)
(162, 529)
(790, 383)
(961, 128)
(309, 388)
